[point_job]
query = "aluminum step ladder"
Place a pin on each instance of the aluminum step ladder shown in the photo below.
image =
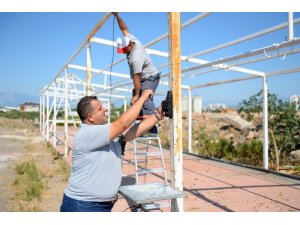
(144, 155)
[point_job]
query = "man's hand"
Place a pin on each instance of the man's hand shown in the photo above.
(134, 99)
(115, 14)
(147, 94)
(160, 112)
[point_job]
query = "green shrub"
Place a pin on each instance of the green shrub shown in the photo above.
(251, 153)
(284, 123)
(15, 114)
(29, 179)
(221, 149)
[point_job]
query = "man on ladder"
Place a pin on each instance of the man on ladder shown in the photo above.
(142, 71)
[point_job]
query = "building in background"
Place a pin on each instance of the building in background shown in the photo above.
(295, 99)
(29, 107)
(7, 108)
(196, 104)
(215, 106)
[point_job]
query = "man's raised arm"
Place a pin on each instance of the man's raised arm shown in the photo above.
(122, 24)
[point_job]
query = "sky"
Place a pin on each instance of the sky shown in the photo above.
(36, 45)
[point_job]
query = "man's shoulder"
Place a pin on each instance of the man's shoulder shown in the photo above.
(135, 40)
(131, 37)
(91, 127)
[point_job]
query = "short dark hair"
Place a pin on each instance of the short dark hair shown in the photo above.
(84, 106)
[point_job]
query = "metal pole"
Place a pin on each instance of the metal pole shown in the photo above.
(54, 117)
(268, 74)
(245, 38)
(271, 48)
(66, 114)
(43, 132)
(190, 150)
(125, 104)
(265, 125)
(89, 36)
(176, 122)
(47, 116)
(291, 26)
(41, 112)
(88, 70)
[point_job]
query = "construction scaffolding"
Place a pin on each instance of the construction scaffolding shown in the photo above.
(58, 97)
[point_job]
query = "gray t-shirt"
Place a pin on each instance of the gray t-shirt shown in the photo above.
(96, 165)
(139, 60)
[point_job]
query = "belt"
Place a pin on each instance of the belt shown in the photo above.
(110, 202)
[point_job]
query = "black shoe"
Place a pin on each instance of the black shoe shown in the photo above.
(151, 133)
(153, 130)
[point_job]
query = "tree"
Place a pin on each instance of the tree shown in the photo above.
(284, 123)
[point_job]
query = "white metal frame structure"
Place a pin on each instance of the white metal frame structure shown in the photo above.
(67, 88)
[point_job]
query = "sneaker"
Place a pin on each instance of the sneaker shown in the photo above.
(153, 130)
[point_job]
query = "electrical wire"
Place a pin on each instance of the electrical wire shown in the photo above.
(112, 60)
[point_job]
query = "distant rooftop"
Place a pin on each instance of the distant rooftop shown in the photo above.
(30, 103)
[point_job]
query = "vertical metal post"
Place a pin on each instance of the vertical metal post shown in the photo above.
(54, 116)
(66, 114)
(43, 115)
(47, 116)
(190, 150)
(265, 125)
(291, 25)
(88, 69)
(41, 107)
(176, 122)
(125, 104)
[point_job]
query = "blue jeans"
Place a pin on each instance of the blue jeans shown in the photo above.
(73, 205)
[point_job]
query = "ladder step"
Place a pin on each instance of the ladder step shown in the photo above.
(141, 160)
(155, 205)
(148, 138)
(128, 175)
(150, 170)
(147, 153)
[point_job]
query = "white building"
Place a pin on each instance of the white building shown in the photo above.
(295, 99)
(196, 104)
(215, 106)
(29, 107)
(7, 108)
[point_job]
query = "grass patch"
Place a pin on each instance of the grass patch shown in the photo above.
(28, 181)
(63, 168)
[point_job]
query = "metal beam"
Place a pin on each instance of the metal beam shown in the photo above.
(176, 122)
(88, 70)
(248, 37)
(99, 71)
(267, 74)
(271, 48)
(291, 26)
(184, 25)
(265, 124)
(89, 36)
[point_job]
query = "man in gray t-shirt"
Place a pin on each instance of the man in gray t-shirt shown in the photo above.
(96, 159)
(142, 71)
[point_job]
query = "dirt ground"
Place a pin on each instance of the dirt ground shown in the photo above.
(20, 141)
